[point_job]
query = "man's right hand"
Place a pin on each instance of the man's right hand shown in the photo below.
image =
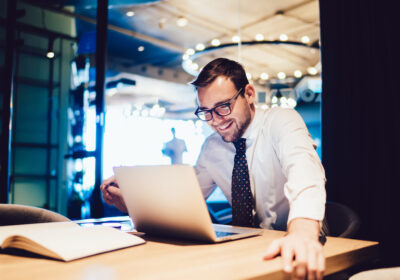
(112, 194)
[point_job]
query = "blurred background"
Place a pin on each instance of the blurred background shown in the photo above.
(63, 126)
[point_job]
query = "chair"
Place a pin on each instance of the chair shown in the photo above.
(342, 221)
(390, 273)
(15, 214)
(220, 212)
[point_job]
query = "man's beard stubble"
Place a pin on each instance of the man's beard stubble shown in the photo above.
(241, 128)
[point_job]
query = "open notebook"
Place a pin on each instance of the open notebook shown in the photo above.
(66, 240)
(167, 200)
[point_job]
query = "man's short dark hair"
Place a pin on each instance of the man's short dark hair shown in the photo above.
(222, 67)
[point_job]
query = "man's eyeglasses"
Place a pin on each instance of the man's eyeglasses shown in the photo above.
(221, 110)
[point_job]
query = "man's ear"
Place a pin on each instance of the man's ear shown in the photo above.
(250, 93)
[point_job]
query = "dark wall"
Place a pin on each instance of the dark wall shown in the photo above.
(361, 114)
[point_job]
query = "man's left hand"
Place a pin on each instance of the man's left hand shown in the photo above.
(301, 252)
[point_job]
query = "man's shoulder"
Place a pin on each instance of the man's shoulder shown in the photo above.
(213, 138)
(272, 113)
(278, 115)
(212, 141)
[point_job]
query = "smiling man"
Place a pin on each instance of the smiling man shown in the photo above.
(265, 163)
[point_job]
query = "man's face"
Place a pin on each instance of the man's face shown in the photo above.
(221, 90)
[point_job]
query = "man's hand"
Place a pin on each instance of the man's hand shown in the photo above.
(300, 244)
(112, 194)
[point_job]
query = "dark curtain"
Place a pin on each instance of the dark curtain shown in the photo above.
(361, 115)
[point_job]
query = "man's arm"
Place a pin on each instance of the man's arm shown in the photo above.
(305, 189)
(300, 244)
(206, 182)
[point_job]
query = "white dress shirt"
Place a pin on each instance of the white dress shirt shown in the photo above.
(286, 175)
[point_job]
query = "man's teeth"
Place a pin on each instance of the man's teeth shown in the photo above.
(225, 126)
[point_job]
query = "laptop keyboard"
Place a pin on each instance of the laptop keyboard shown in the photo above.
(223, 234)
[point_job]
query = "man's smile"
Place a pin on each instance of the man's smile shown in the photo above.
(224, 127)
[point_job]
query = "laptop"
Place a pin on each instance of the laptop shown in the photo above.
(166, 200)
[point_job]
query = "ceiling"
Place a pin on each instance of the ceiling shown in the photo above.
(145, 39)
(154, 28)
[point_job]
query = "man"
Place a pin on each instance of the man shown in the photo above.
(265, 163)
(175, 148)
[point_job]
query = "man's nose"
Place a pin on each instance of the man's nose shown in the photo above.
(216, 118)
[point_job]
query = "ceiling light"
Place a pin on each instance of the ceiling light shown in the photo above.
(298, 74)
(185, 56)
(291, 102)
(157, 110)
(312, 70)
(215, 42)
(194, 66)
(236, 39)
(130, 13)
(281, 75)
(145, 113)
(50, 54)
(305, 39)
(200, 47)
(283, 37)
(190, 52)
(264, 76)
(50, 49)
(259, 37)
(181, 21)
(140, 48)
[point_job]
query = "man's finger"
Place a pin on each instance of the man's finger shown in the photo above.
(312, 262)
(301, 252)
(107, 182)
(287, 253)
(108, 200)
(273, 249)
(114, 191)
(300, 271)
(320, 264)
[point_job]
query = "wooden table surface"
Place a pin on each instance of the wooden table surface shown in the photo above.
(170, 259)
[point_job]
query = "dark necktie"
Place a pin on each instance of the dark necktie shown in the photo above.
(242, 199)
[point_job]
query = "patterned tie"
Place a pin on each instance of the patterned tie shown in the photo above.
(242, 199)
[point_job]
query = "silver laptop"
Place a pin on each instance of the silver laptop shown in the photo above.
(166, 200)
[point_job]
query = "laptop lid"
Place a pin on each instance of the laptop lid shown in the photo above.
(165, 200)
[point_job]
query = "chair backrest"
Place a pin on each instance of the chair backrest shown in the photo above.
(388, 273)
(220, 212)
(15, 214)
(342, 221)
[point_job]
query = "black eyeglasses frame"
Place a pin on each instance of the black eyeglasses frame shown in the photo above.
(228, 104)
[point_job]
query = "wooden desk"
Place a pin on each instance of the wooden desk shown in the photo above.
(158, 259)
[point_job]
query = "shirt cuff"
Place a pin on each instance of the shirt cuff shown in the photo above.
(310, 204)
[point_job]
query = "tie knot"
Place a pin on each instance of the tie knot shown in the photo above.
(240, 146)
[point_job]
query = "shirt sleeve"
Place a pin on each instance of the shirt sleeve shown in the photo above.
(206, 182)
(305, 186)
